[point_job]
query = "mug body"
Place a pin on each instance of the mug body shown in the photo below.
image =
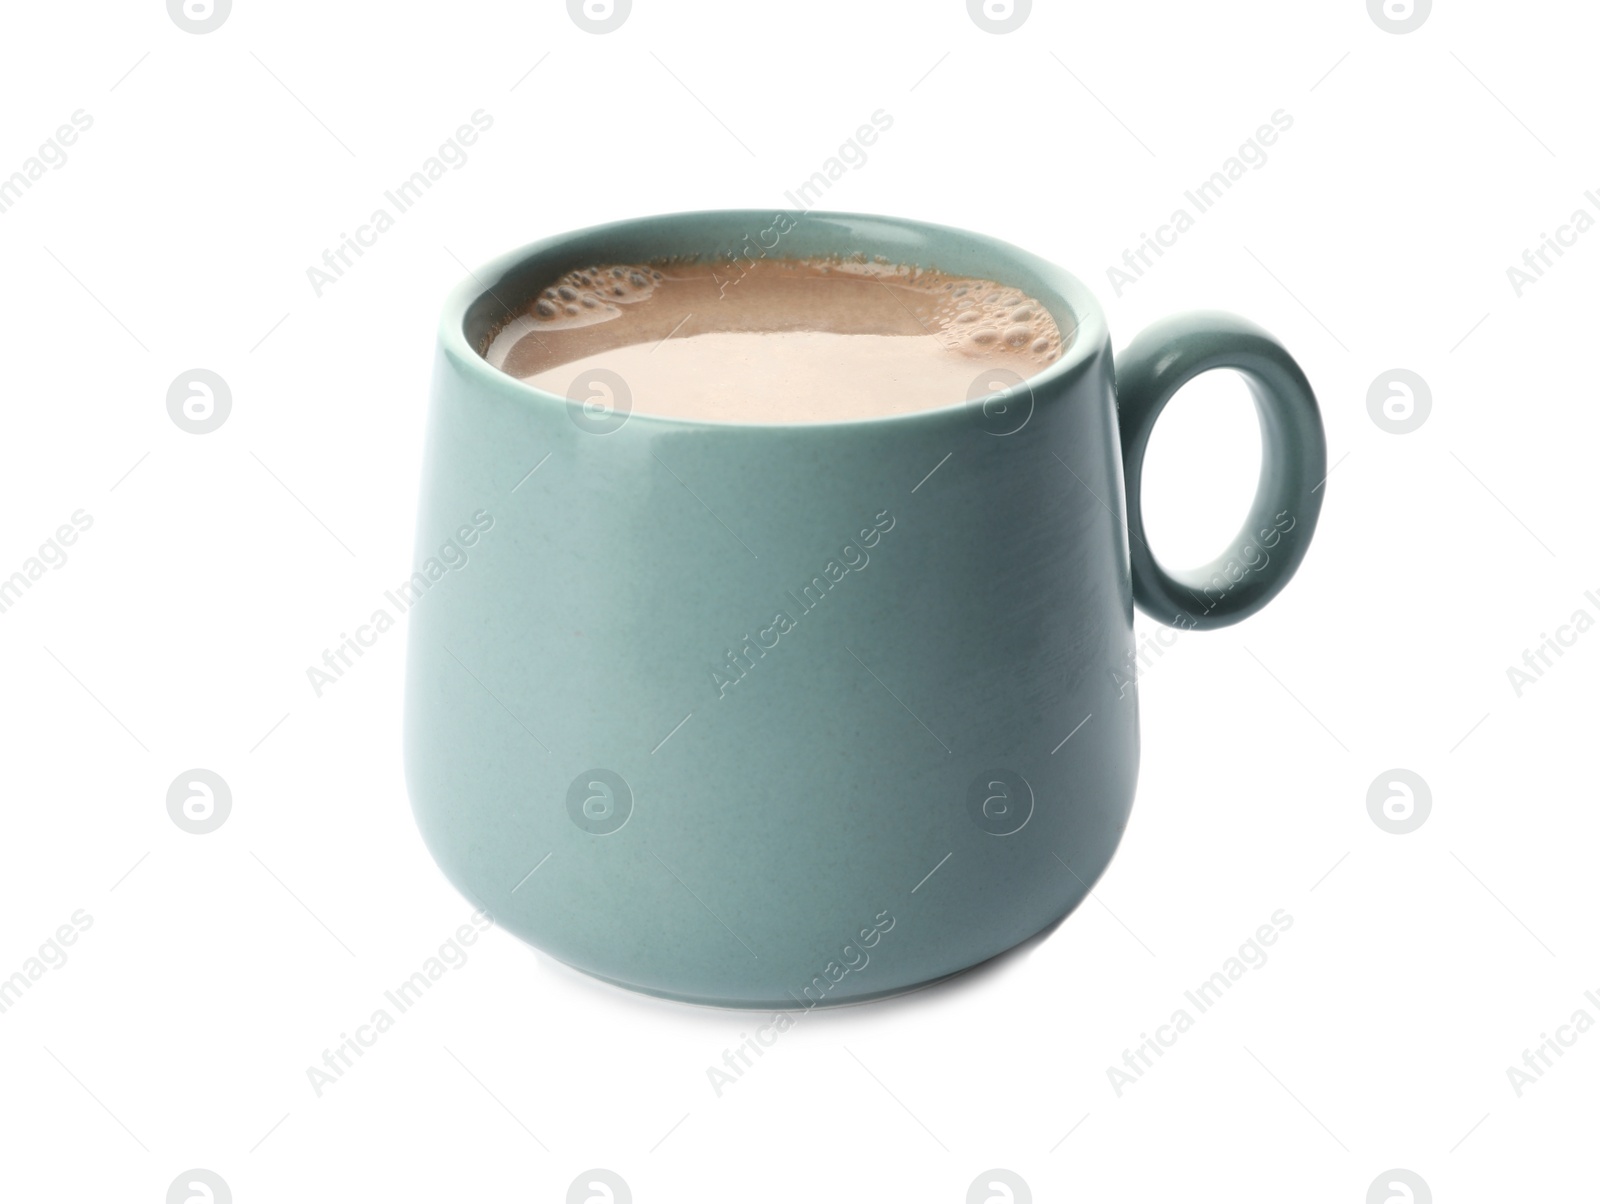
(761, 715)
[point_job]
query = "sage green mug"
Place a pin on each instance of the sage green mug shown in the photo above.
(784, 716)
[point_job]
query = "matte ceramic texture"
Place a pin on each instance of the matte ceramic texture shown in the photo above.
(931, 760)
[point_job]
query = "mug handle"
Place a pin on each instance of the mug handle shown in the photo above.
(1294, 462)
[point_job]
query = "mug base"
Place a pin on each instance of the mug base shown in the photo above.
(792, 1006)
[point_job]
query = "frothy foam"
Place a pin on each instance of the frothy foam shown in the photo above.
(929, 331)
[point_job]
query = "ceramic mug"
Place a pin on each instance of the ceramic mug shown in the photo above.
(787, 716)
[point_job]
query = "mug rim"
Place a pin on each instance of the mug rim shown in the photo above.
(1065, 295)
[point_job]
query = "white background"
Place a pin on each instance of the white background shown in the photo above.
(219, 567)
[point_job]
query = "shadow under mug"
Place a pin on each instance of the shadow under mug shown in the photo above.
(786, 716)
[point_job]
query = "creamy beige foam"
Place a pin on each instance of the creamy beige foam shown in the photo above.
(779, 340)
